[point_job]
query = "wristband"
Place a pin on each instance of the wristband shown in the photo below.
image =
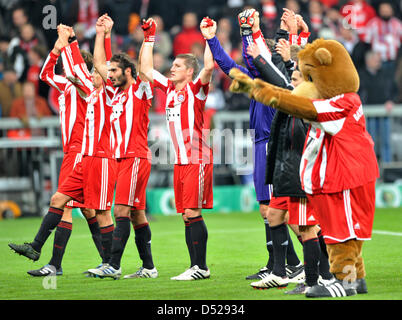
(72, 39)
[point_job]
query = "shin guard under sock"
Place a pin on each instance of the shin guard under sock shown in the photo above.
(189, 243)
(280, 245)
(291, 255)
(106, 239)
(143, 243)
(268, 237)
(120, 237)
(96, 234)
(61, 236)
(312, 252)
(49, 223)
(199, 237)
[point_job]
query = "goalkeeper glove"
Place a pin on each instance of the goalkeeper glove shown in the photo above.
(246, 21)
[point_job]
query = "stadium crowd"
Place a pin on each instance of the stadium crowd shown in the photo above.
(370, 30)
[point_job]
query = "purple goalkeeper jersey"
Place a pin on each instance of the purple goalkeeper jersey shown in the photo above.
(260, 115)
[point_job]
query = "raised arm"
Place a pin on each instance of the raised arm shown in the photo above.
(74, 64)
(103, 28)
(209, 64)
(146, 65)
(47, 73)
(249, 21)
(224, 61)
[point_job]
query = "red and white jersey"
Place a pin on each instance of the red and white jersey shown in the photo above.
(96, 140)
(72, 105)
(384, 37)
(185, 119)
(339, 152)
(130, 120)
(300, 40)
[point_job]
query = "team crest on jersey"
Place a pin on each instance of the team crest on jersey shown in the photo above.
(123, 98)
(93, 99)
(181, 97)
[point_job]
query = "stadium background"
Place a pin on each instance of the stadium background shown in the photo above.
(30, 148)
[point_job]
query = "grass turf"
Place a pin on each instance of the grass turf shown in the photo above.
(236, 248)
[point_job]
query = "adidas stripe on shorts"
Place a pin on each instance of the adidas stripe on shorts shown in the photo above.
(193, 186)
(132, 180)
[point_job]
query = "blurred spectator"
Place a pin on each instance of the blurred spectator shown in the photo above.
(232, 32)
(1, 67)
(36, 56)
(188, 35)
(27, 38)
(159, 100)
(384, 33)
(30, 105)
(224, 31)
(19, 18)
(293, 5)
(356, 48)
(198, 49)
(120, 11)
(329, 3)
(316, 17)
(171, 11)
(133, 42)
(85, 13)
(357, 14)
(333, 21)
(377, 88)
(163, 41)
(215, 102)
(10, 89)
(349, 38)
(398, 80)
(13, 57)
(161, 63)
(86, 42)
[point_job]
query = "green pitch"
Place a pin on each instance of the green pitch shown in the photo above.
(236, 248)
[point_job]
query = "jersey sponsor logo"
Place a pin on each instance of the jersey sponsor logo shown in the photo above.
(123, 98)
(181, 97)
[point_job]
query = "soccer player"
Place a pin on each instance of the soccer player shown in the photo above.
(130, 102)
(193, 170)
(72, 114)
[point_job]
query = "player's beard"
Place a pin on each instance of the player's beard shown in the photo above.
(121, 81)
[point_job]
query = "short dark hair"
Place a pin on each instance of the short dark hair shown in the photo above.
(190, 61)
(124, 61)
(88, 59)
